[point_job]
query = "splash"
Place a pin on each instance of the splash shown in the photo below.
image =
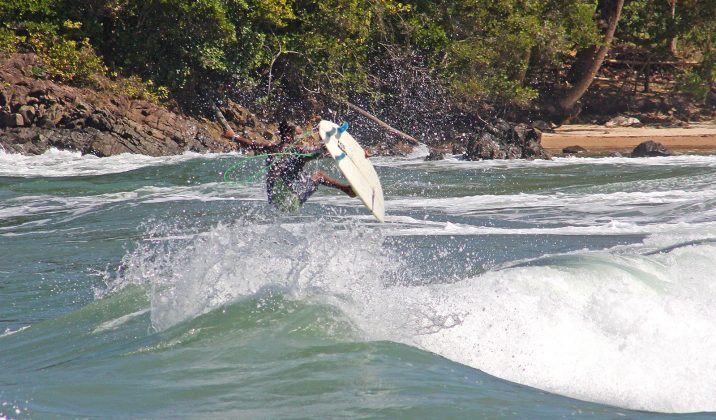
(615, 327)
(191, 276)
(61, 163)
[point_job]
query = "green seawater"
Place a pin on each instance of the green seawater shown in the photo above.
(134, 287)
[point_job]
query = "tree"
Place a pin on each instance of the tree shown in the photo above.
(590, 59)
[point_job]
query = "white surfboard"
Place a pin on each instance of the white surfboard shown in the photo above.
(355, 166)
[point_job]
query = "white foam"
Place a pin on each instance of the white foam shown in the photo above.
(629, 331)
(616, 327)
(9, 332)
(59, 163)
(115, 323)
(72, 207)
(457, 162)
(228, 262)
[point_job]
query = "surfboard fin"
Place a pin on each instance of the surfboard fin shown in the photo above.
(343, 127)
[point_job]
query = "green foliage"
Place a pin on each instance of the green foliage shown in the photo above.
(71, 61)
(61, 58)
(27, 10)
(8, 41)
(499, 51)
(647, 23)
(693, 84)
(136, 88)
(492, 50)
(492, 88)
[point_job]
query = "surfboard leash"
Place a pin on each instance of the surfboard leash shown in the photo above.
(259, 172)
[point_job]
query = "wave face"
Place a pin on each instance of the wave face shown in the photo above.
(615, 327)
(512, 288)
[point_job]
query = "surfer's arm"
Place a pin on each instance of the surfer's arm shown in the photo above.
(251, 143)
(315, 152)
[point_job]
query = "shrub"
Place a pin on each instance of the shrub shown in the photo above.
(693, 84)
(136, 88)
(9, 41)
(63, 59)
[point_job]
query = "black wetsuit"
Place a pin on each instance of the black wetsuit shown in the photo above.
(288, 186)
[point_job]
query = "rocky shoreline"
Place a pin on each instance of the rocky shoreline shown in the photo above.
(37, 115)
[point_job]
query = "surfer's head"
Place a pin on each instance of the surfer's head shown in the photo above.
(287, 131)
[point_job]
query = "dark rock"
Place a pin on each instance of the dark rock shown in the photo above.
(513, 152)
(458, 148)
(615, 154)
(435, 155)
(502, 126)
(543, 126)
(650, 148)
(484, 146)
(574, 150)
(54, 114)
(503, 140)
(12, 120)
(99, 120)
(43, 122)
(28, 113)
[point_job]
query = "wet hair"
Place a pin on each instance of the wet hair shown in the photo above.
(286, 128)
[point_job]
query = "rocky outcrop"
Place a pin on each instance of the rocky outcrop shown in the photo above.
(650, 148)
(435, 155)
(574, 150)
(36, 115)
(503, 140)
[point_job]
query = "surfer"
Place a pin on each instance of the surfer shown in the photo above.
(288, 186)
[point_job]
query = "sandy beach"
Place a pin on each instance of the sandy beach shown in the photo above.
(698, 138)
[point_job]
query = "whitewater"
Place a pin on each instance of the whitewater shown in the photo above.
(141, 287)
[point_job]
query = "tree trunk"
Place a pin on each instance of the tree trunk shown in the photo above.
(589, 63)
(672, 41)
(583, 61)
(521, 75)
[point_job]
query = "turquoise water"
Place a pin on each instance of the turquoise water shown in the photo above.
(149, 287)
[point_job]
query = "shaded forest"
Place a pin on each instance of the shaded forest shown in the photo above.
(418, 64)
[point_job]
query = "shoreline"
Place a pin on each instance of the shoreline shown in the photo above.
(697, 138)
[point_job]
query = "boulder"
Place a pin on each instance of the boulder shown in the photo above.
(574, 150)
(11, 120)
(28, 113)
(650, 148)
(500, 139)
(434, 155)
(622, 121)
(484, 146)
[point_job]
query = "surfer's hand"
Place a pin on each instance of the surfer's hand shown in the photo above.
(229, 133)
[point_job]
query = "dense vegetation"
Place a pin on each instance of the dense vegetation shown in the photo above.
(416, 57)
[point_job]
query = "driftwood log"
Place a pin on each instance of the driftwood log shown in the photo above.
(382, 124)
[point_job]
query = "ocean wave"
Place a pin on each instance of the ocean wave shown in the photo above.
(615, 327)
(62, 163)
(455, 161)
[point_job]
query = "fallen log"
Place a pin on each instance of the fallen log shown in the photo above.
(382, 124)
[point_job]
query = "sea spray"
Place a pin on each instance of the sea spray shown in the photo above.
(629, 331)
(612, 327)
(191, 275)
